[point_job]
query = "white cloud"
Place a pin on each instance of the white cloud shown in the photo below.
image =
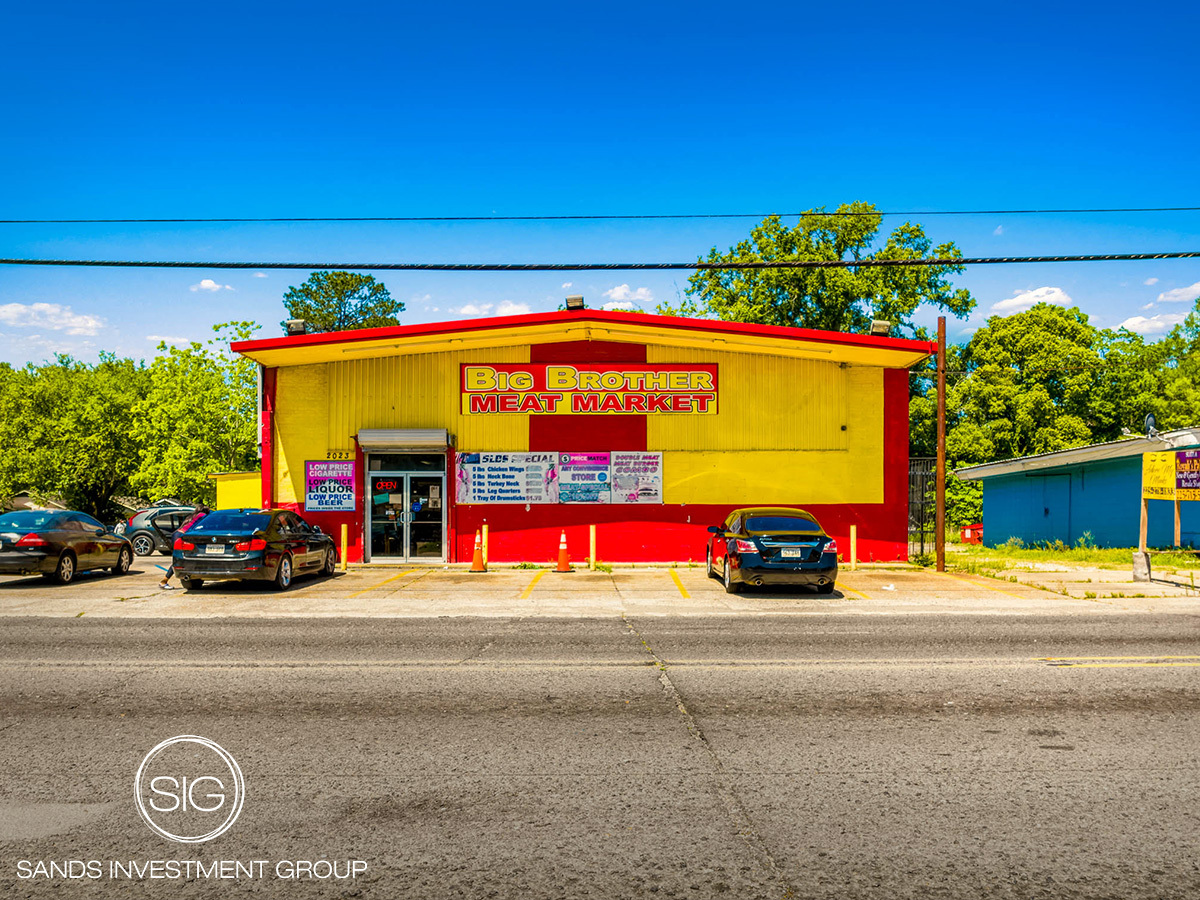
(473, 309)
(207, 284)
(1180, 295)
(165, 339)
(622, 292)
(1023, 300)
(568, 284)
(1148, 306)
(508, 308)
(49, 315)
(260, 274)
(1160, 324)
(999, 230)
(1150, 281)
(617, 305)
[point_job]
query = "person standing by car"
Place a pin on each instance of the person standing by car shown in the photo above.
(200, 513)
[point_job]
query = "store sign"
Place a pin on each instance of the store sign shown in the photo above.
(329, 486)
(524, 388)
(1171, 475)
(608, 477)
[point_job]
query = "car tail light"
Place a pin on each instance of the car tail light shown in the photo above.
(32, 540)
(252, 544)
(745, 546)
(831, 547)
(181, 544)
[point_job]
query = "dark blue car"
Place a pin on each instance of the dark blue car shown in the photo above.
(772, 545)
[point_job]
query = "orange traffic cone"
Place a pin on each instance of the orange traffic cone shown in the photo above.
(564, 559)
(477, 560)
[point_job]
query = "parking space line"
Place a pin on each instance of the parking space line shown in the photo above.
(381, 584)
(679, 584)
(982, 585)
(529, 587)
(842, 587)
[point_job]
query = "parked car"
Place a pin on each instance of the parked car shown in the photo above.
(253, 544)
(59, 544)
(772, 545)
(152, 529)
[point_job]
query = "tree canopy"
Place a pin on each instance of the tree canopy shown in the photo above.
(337, 301)
(834, 299)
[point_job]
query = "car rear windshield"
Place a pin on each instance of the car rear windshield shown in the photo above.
(781, 523)
(231, 521)
(28, 518)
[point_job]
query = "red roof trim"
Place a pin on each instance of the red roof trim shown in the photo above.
(432, 329)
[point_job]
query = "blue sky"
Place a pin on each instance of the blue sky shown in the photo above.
(160, 110)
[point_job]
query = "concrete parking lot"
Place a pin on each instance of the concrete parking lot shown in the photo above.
(506, 591)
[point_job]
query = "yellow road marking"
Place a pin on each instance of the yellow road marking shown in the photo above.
(982, 585)
(382, 583)
(679, 584)
(842, 587)
(529, 588)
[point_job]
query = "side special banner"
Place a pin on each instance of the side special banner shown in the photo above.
(584, 478)
(636, 477)
(329, 486)
(506, 478)
(612, 388)
(1187, 475)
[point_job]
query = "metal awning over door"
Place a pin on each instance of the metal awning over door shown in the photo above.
(373, 440)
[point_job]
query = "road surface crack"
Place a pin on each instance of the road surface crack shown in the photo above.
(722, 783)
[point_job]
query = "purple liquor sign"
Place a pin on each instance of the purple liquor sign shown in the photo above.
(329, 486)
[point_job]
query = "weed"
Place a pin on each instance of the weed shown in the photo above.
(1089, 595)
(604, 567)
(1087, 541)
(528, 565)
(924, 560)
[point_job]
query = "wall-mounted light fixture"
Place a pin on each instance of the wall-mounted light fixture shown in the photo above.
(575, 302)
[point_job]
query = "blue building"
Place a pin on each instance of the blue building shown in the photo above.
(1096, 489)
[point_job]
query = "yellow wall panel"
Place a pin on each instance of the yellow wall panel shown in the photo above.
(301, 418)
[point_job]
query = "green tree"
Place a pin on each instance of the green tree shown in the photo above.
(198, 416)
(834, 299)
(337, 301)
(67, 429)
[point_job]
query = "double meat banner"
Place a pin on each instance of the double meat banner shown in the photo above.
(608, 477)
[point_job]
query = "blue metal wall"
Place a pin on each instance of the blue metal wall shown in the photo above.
(1061, 504)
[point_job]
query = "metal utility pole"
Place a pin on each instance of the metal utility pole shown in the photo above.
(940, 518)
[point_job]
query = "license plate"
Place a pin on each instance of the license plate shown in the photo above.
(214, 550)
(791, 553)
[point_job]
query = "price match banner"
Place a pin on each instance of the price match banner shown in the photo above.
(328, 486)
(593, 388)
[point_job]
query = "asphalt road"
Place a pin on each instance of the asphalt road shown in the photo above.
(874, 756)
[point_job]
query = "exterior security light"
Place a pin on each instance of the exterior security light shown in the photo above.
(295, 327)
(575, 302)
(881, 326)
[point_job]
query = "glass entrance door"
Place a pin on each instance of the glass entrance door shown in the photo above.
(407, 516)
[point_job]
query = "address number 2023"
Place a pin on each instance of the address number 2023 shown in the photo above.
(339, 454)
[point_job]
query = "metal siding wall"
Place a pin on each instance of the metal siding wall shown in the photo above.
(300, 420)
(419, 390)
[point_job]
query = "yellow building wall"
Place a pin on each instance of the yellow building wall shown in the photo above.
(321, 407)
(238, 490)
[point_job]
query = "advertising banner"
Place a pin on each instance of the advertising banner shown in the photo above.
(1158, 476)
(636, 477)
(329, 486)
(1187, 475)
(506, 478)
(584, 478)
(611, 388)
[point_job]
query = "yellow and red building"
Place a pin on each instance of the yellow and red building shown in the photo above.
(649, 427)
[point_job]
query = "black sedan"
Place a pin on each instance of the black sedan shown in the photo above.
(252, 544)
(59, 544)
(772, 545)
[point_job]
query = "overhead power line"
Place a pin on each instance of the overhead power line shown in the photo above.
(593, 218)
(607, 267)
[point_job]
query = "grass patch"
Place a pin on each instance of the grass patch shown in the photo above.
(528, 565)
(974, 558)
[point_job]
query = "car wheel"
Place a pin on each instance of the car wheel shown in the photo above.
(191, 584)
(64, 572)
(731, 586)
(708, 564)
(283, 575)
(330, 562)
(124, 561)
(143, 544)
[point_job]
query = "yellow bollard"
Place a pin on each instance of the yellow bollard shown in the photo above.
(592, 547)
(853, 548)
(345, 543)
(485, 545)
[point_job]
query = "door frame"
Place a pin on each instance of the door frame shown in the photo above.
(405, 516)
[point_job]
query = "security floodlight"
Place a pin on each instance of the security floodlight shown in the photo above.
(881, 327)
(295, 327)
(575, 302)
